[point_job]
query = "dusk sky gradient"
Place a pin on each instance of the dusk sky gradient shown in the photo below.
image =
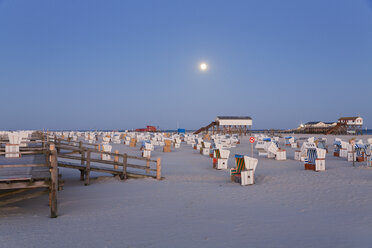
(127, 64)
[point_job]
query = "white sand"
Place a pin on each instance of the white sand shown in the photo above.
(198, 206)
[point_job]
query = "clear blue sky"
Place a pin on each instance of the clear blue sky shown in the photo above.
(124, 64)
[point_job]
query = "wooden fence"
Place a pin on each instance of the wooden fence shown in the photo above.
(57, 152)
(15, 179)
(117, 166)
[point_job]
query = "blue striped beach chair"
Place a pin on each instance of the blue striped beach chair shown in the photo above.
(311, 156)
(337, 146)
(287, 142)
(360, 150)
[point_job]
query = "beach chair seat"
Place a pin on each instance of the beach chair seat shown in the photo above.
(320, 160)
(271, 148)
(149, 146)
(116, 139)
(311, 156)
(304, 150)
(239, 166)
(247, 174)
(221, 157)
(133, 142)
(167, 145)
(297, 155)
(177, 142)
(216, 156)
(106, 148)
(281, 155)
(12, 151)
(146, 153)
(336, 147)
(12, 148)
(14, 139)
(250, 163)
(315, 159)
(287, 140)
(127, 140)
(260, 147)
(106, 140)
(205, 148)
(360, 151)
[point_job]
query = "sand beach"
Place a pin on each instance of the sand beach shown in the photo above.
(198, 206)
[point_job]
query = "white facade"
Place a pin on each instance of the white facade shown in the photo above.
(320, 124)
(356, 121)
(234, 122)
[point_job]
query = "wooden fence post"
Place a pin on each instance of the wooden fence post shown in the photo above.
(42, 140)
(53, 182)
(58, 145)
(158, 169)
(125, 161)
(116, 160)
(148, 166)
(82, 152)
(87, 170)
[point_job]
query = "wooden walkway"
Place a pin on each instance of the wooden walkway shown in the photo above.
(19, 176)
(38, 168)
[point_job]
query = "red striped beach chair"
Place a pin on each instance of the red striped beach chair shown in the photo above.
(216, 156)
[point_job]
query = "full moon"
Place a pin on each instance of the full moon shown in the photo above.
(203, 66)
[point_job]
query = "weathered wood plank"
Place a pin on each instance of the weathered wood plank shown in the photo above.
(95, 168)
(78, 148)
(142, 167)
(158, 169)
(53, 190)
(87, 169)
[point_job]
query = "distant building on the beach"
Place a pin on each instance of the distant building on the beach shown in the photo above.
(228, 125)
(316, 127)
(319, 124)
(344, 125)
(350, 125)
(353, 121)
(147, 129)
(234, 121)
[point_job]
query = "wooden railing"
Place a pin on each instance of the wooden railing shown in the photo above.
(67, 150)
(15, 183)
(38, 147)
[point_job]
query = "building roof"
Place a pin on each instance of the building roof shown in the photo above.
(317, 122)
(348, 118)
(312, 122)
(234, 118)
